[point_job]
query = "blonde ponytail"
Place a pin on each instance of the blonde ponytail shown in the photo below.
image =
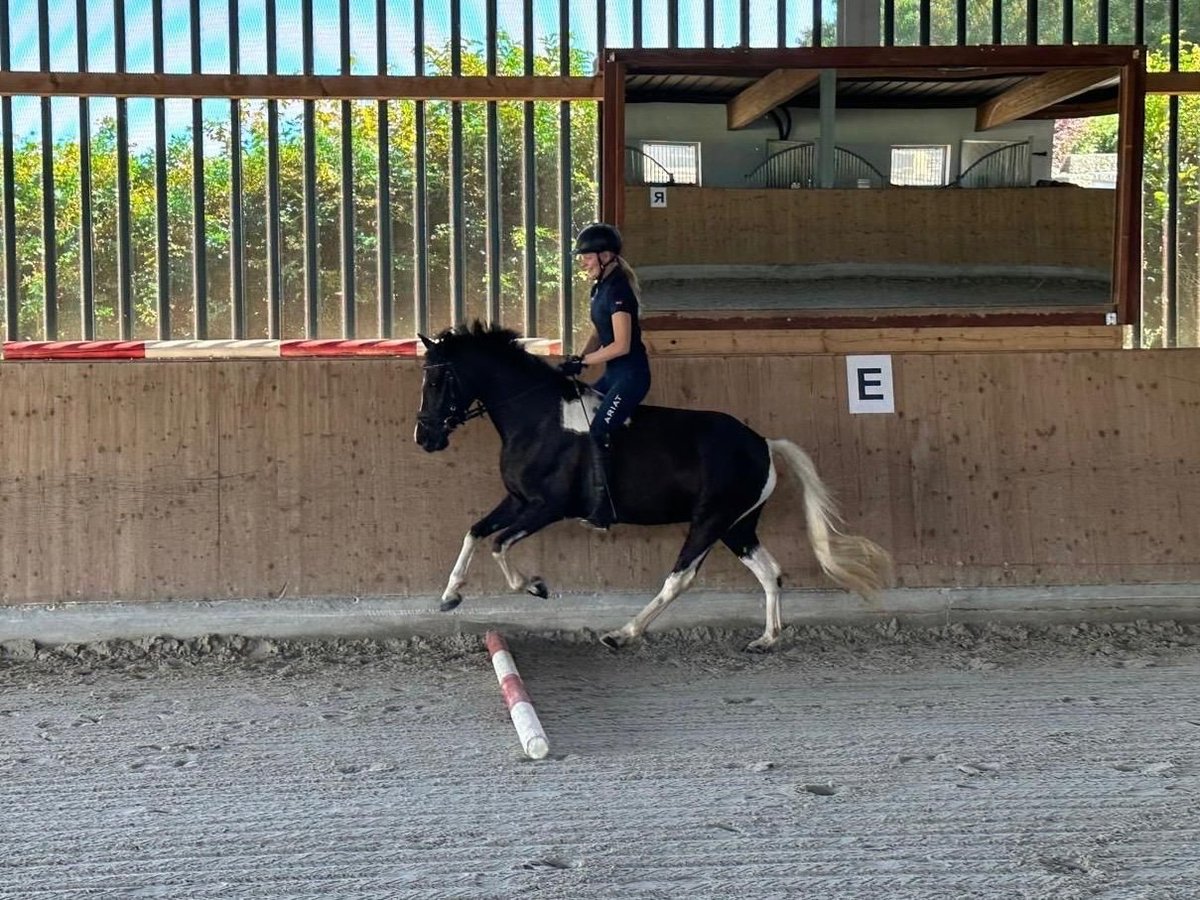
(631, 276)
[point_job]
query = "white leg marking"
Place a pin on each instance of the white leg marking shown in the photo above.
(767, 571)
(516, 581)
(458, 575)
(676, 584)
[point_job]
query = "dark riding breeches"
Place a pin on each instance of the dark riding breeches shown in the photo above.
(623, 389)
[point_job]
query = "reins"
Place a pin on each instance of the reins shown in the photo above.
(477, 408)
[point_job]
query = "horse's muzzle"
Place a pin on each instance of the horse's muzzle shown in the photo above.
(431, 438)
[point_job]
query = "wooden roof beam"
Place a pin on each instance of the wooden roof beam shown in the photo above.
(301, 87)
(768, 93)
(1174, 83)
(1039, 92)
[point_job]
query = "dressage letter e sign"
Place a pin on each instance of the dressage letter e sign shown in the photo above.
(869, 379)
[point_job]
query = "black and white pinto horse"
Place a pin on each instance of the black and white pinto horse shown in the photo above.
(707, 469)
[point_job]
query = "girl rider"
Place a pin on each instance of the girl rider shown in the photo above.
(616, 342)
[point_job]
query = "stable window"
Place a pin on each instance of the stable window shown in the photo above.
(920, 165)
(680, 160)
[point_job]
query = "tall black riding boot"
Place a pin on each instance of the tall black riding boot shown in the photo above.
(602, 514)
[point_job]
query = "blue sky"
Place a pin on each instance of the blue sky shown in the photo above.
(214, 39)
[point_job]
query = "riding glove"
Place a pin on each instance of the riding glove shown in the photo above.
(572, 365)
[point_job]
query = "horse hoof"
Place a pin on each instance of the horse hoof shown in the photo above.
(451, 602)
(537, 588)
(762, 645)
(614, 640)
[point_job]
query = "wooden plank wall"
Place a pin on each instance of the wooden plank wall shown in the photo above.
(148, 481)
(1026, 226)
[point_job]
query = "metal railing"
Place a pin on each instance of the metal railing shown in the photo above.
(643, 169)
(262, 250)
(1009, 166)
(797, 167)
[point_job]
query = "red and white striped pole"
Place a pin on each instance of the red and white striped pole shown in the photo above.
(520, 707)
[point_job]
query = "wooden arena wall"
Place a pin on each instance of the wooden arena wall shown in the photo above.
(1020, 226)
(141, 480)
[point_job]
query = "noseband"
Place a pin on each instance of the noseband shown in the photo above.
(455, 413)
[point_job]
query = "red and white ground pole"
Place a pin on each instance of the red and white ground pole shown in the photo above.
(524, 718)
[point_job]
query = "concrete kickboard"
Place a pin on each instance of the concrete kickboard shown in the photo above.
(408, 616)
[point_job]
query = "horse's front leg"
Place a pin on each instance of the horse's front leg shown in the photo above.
(531, 520)
(505, 513)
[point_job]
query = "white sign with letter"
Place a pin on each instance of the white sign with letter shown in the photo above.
(869, 380)
(658, 197)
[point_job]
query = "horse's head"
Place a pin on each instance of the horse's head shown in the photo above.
(445, 399)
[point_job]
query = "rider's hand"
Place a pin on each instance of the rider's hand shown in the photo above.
(572, 365)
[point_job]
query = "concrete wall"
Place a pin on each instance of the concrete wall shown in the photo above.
(250, 479)
(726, 157)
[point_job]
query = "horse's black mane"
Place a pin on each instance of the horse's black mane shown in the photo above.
(500, 344)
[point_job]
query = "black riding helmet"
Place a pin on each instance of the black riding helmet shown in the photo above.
(598, 238)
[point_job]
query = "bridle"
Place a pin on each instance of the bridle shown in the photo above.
(455, 415)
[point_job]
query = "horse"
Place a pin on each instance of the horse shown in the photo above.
(703, 468)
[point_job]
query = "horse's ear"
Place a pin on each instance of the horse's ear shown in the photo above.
(426, 341)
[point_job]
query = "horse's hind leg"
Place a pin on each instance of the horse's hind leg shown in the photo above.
(742, 539)
(699, 541)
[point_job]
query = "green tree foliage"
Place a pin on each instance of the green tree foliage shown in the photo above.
(1085, 26)
(365, 141)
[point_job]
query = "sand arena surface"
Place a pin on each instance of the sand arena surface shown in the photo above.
(888, 762)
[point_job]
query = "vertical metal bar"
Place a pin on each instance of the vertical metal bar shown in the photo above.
(383, 196)
(420, 187)
(49, 232)
(889, 22)
(237, 254)
(312, 298)
(1127, 236)
(602, 30)
(458, 309)
(923, 16)
(781, 23)
(162, 251)
(827, 141)
(1171, 250)
(1139, 21)
(1068, 21)
(601, 40)
(744, 23)
(492, 172)
(1031, 21)
(709, 25)
(960, 23)
(529, 178)
(672, 23)
(87, 286)
(1171, 232)
(348, 298)
(199, 223)
(636, 23)
(566, 298)
(1102, 21)
(817, 25)
(12, 325)
(997, 21)
(274, 273)
(124, 255)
